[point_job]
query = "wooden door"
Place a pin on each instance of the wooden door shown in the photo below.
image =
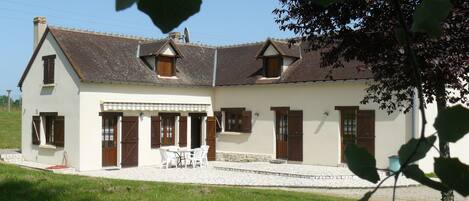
(348, 130)
(109, 140)
(211, 130)
(295, 135)
(281, 134)
(366, 130)
(129, 141)
(168, 129)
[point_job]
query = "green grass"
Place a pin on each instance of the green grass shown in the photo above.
(23, 184)
(10, 129)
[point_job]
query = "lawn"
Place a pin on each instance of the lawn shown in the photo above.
(23, 184)
(10, 129)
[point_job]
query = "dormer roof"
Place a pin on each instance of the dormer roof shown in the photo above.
(284, 48)
(159, 47)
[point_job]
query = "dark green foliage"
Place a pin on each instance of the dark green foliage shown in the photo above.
(452, 123)
(410, 149)
(123, 4)
(429, 16)
(415, 173)
(453, 174)
(361, 163)
(165, 14)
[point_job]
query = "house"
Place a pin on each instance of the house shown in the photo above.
(94, 100)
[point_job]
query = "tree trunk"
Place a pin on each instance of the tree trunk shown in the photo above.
(443, 146)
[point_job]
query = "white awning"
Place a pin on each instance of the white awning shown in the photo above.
(136, 106)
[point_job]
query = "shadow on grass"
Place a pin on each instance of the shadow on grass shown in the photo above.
(16, 190)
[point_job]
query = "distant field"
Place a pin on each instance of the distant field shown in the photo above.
(10, 128)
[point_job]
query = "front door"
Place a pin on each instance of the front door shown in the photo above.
(109, 140)
(129, 141)
(357, 127)
(281, 133)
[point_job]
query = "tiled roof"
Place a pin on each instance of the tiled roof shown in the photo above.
(107, 58)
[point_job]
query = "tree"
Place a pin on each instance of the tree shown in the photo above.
(377, 33)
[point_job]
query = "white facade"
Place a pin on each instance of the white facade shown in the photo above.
(62, 97)
(80, 103)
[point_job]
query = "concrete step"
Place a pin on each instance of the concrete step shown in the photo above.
(11, 157)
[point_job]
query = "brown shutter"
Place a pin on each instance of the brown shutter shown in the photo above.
(295, 135)
(165, 66)
(218, 118)
(155, 132)
(246, 122)
(45, 75)
(366, 130)
(51, 70)
(59, 131)
(182, 131)
(211, 128)
(36, 130)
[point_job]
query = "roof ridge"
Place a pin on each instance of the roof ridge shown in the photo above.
(129, 36)
(241, 44)
(197, 44)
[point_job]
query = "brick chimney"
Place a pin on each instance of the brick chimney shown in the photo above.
(176, 36)
(40, 25)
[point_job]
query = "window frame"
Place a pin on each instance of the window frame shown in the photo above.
(163, 118)
(266, 68)
(49, 69)
(50, 130)
(173, 65)
(237, 113)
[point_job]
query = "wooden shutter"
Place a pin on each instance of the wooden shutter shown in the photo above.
(295, 135)
(59, 131)
(366, 130)
(36, 130)
(273, 66)
(218, 118)
(46, 71)
(155, 132)
(51, 70)
(246, 121)
(210, 139)
(182, 131)
(165, 66)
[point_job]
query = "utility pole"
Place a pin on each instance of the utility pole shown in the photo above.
(8, 92)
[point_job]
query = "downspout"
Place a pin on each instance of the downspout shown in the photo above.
(214, 68)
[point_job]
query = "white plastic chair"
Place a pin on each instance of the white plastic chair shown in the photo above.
(196, 157)
(204, 155)
(167, 158)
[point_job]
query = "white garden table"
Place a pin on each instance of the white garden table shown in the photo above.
(181, 154)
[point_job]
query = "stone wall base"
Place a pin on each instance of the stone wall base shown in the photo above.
(243, 157)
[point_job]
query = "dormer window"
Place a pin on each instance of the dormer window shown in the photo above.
(277, 56)
(161, 57)
(272, 66)
(165, 66)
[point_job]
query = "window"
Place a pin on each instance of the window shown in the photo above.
(49, 62)
(272, 66)
(349, 122)
(237, 120)
(165, 66)
(54, 127)
(168, 129)
(36, 130)
(233, 120)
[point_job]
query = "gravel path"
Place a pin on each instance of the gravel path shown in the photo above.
(215, 176)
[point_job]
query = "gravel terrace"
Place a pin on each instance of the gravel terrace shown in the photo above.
(245, 175)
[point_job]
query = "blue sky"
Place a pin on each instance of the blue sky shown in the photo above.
(219, 22)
